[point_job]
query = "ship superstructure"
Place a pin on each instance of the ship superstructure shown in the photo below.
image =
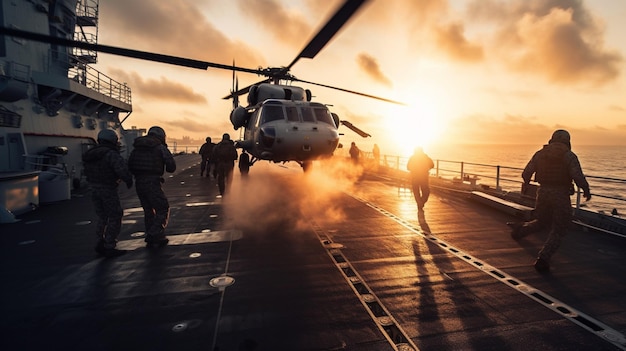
(52, 102)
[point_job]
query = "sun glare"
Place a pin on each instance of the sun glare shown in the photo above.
(411, 126)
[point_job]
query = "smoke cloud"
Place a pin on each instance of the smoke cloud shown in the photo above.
(275, 198)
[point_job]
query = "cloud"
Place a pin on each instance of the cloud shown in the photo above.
(287, 26)
(518, 129)
(370, 66)
(452, 41)
(194, 122)
(185, 124)
(174, 27)
(616, 108)
(427, 11)
(557, 39)
(161, 89)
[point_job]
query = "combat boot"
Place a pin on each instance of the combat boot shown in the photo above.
(542, 265)
(157, 243)
(516, 230)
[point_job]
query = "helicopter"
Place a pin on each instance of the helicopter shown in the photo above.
(280, 122)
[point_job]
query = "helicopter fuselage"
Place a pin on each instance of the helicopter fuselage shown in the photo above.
(285, 130)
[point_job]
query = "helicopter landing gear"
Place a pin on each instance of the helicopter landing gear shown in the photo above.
(306, 166)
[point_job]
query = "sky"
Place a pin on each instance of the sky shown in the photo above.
(469, 71)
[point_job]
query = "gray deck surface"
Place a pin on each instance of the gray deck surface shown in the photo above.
(316, 263)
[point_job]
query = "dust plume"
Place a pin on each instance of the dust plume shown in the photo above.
(273, 197)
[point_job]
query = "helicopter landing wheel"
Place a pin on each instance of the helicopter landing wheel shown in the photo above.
(306, 166)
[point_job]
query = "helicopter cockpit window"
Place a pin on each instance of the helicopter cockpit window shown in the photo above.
(323, 115)
(272, 113)
(307, 114)
(292, 114)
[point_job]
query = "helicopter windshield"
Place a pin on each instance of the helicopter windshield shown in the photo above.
(307, 114)
(272, 113)
(292, 114)
(323, 115)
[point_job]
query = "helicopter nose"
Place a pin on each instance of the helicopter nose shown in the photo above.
(267, 136)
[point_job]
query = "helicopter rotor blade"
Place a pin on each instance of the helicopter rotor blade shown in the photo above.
(143, 55)
(351, 92)
(355, 129)
(331, 27)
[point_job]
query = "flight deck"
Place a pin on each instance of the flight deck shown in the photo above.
(330, 260)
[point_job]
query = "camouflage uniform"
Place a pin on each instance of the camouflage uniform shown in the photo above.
(555, 167)
(224, 156)
(104, 167)
(419, 166)
(147, 162)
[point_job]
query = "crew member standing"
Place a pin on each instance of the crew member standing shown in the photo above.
(419, 166)
(148, 160)
(376, 154)
(354, 152)
(555, 166)
(244, 163)
(205, 152)
(224, 156)
(105, 168)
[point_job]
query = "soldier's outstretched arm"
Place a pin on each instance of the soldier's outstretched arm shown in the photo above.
(168, 159)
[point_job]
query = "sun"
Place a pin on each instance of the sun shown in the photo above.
(411, 126)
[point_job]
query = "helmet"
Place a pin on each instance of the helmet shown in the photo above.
(107, 135)
(560, 136)
(226, 136)
(208, 139)
(157, 132)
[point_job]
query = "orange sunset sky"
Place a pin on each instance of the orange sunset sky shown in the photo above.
(470, 71)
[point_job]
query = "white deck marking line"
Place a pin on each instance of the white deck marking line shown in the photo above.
(586, 322)
(223, 293)
(383, 319)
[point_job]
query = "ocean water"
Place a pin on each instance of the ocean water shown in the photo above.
(597, 162)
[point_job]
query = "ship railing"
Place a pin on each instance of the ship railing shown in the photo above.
(187, 149)
(80, 71)
(15, 70)
(100, 82)
(87, 8)
(505, 179)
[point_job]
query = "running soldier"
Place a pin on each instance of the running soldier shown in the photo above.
(224, 156)
(555, 167)
(148, 160)
(419, 166)
(105, 169)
